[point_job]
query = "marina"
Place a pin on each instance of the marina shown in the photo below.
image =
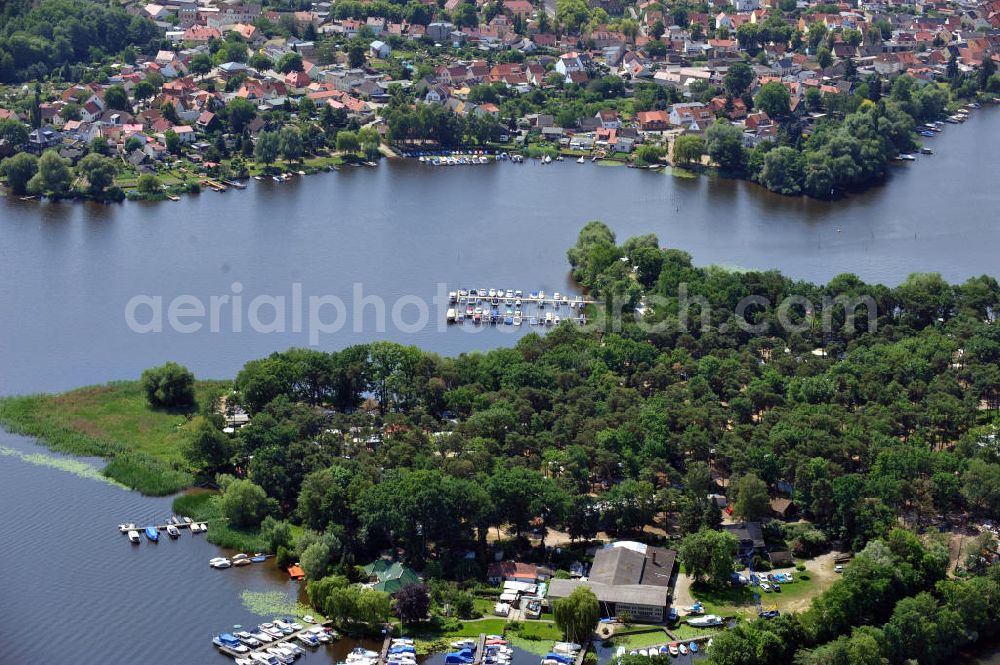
(515, 307)
(172, 528)
(273, 642)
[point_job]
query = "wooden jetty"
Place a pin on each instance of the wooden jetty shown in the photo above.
(273, 643)
(163, 527)
(383, 654)
(689, 640)
(217, 186)
(583, 653)
(480, 646)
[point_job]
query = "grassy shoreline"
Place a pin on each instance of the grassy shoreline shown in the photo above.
(112, 421)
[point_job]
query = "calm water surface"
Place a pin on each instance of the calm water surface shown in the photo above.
(72, 590)
(68, 270)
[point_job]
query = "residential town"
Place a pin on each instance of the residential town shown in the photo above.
(603, 80)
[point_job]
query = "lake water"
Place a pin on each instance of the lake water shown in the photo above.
(74, 591)
(67, 271)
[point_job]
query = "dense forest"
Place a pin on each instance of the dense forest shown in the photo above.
(616, 430)
(894, 605)
(877, 426)
(38, 38)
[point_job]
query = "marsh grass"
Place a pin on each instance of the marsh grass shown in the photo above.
(76, 467)
(113, 421)
(207, 507)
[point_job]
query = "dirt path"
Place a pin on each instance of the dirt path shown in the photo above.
(682, 592)
(821, 569)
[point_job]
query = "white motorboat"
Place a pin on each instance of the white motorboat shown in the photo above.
(220, 562)
(125, 528)
(319, 633)
(309, 618)
(283, 627)
(264, 659)
(282, 655)
(261, 636)
(580, 161)
(566, 647)
(134, 537)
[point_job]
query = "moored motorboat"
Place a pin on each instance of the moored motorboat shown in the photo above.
(173, 531)
(264, 659)
(271, 630)
(220, 562)
(152, 534)
(282, 655)
(134, 537)
(230, 642)
(125, 528)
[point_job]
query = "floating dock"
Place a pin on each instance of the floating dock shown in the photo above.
(515, 307)
(163, 527)
(480, 647)
(274, 642)
(383, 654)
(217, 186)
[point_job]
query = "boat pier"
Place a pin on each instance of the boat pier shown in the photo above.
(383, 654)
(480, 646)
(217, 186)
(175, 522)
(275, 641)
(510, 307)
(583, 654)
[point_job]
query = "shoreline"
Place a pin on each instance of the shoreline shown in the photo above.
(320, 164)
